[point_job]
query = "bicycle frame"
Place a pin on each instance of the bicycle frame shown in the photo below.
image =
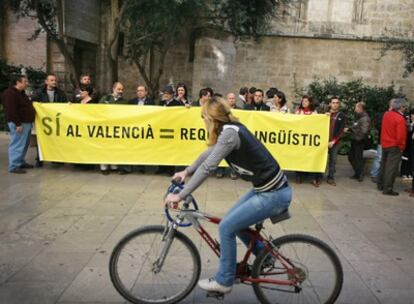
(194, 216)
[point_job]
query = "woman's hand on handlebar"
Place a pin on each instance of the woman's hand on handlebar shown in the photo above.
(180, 176)
(172, 200)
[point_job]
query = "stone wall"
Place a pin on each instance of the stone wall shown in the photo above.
(347, 19)
(82, 20)
(290, 63)
(314, 38)
(17, 47)
(178, 68)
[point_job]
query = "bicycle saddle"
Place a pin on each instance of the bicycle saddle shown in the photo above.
(285, 215)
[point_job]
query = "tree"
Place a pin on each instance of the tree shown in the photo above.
(406, 47)
(49, 15)
(117, 18)
(151, 27)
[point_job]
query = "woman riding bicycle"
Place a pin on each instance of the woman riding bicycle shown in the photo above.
(248, 157)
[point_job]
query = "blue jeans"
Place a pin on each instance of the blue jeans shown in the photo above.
(253, 207)
(19, 143)
(376, 163)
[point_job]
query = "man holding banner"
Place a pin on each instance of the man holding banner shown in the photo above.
(115, 98)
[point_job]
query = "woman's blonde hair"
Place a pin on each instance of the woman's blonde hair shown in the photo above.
(216, 112)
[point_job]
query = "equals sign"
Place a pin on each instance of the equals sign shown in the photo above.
(166, 133)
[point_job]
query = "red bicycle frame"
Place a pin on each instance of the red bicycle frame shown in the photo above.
(194, 215)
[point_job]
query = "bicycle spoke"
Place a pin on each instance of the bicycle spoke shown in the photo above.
(137, 277)
(314, 269)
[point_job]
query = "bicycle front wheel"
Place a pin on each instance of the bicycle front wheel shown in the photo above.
(134, 267)
(304, 270)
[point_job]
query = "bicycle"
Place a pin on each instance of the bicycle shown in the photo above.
(168, 263)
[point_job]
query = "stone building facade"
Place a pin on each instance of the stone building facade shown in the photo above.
(311, 38)
(315, 38)
(81, 28)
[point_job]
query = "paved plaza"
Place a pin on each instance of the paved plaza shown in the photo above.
(58, 225)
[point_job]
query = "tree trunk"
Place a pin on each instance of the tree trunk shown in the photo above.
(59, 39)
(117, 16)
(152, 78)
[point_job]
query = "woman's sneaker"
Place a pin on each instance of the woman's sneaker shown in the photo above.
(211, 285)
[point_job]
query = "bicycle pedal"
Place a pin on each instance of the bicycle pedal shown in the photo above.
(215, 294)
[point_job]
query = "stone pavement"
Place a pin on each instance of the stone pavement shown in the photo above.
(58, 226)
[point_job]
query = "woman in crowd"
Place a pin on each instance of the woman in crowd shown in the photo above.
(182, 94)
(279, 100)
(86, 95)
(307, 107)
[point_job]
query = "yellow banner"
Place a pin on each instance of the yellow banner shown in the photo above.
(151, 135)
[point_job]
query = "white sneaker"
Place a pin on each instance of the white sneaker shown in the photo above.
(212, 285)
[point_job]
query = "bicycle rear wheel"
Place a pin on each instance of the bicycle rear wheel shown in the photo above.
(317, 272)
(133, 273)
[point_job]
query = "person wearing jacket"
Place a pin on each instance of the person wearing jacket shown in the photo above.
(115, 98)
(19, 115)
(85, 82)
(359, 136)
(307, 107)
(50, 91)
(411, 150)
(336, 129)
(269, 196)
(168, 100)
(142, 97)
(258, 103)
(393, 141)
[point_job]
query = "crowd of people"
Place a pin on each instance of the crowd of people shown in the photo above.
(395, 126)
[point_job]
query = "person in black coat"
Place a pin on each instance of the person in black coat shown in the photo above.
(410, 144)
(258, 104)
(142, 98)
(168, 99)
(50, 92)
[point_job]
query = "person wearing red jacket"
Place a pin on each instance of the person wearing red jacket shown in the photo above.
(393, 140)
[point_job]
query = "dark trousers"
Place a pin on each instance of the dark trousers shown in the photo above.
(390, 162)
(332, 156)
(355, 157)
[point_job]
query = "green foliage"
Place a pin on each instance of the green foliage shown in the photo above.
(153, 27)
(36, 79)
(44, 9)
(351, 92)
(406, 47)
(248, 17)
(156, 24)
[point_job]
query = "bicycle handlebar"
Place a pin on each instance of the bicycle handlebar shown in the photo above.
(176, 187)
